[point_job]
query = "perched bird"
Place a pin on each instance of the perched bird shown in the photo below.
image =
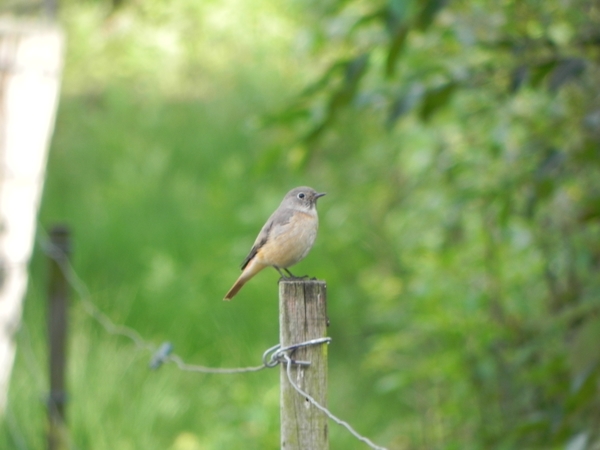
(285, 239)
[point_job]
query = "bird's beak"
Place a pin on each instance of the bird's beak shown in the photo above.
(320, 194)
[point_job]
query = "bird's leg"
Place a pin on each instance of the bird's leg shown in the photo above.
(288, 275)
(294, 277)
(283, 277)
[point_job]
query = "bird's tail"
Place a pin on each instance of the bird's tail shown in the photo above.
(250, 270)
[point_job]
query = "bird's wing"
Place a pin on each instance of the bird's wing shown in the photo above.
(276, 222)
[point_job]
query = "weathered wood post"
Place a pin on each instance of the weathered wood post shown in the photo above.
(302, 317)
(58, 296)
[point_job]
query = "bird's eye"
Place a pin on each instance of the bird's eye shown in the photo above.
(301, 195)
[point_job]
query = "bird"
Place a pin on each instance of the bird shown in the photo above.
(285, 239)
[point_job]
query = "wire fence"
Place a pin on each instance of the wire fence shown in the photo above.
(163, 354)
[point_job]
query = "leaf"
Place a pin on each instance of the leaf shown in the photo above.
(380, 14)
(546, 173)
(565, 71)
(590, 208)
(397, 44)
(428, 13)
(537, 423)
(287, 116)
(584, 389)
(404, 103)
(583, 349)
(518, 78)
(356, 68)
(539, 71)
(324, 81)
(395, 14)
(317, 130)
(435, 99)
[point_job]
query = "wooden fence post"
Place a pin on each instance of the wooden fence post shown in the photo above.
(58, 295)
(302, 317)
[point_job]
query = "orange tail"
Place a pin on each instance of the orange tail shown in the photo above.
(251, 269)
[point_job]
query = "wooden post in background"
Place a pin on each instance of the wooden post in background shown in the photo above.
(31, 60)
(58, 296)
(302, 317)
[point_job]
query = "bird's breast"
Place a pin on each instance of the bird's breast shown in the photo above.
(290, 243)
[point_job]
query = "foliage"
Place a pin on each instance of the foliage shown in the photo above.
(479, 207)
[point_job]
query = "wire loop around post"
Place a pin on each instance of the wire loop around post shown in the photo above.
(280, 355)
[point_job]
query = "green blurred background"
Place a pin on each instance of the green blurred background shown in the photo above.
(459, 144)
